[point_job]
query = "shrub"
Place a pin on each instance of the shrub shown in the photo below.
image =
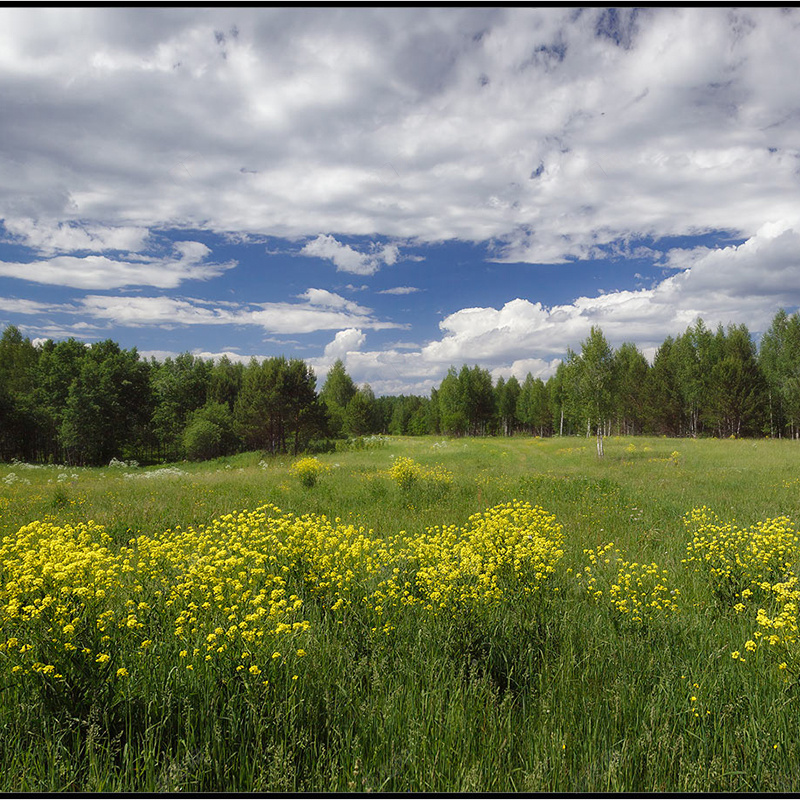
(308, 469)
(639, 592)
(408, 474)
(738, 560)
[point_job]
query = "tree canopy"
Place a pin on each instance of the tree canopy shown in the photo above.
(67, 402)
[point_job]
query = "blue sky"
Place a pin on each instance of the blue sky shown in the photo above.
(404, 189)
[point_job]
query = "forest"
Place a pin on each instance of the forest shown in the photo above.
(72, 403)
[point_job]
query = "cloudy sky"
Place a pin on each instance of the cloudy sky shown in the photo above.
(405, 189)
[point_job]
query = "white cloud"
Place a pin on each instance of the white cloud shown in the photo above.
(325, 299)
(49, 238)
(281, 318)
(348, 259)
(345, 342)
(400, 290)
(16, 305)
(521, 368)
(206, 355)
(743, 283)
(386, 371)
(550, 133)
(531, 127)
(321, 311)
(101, 272)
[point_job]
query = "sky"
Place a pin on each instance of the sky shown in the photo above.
(402, 188)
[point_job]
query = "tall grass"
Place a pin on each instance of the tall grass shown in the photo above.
(553, 690)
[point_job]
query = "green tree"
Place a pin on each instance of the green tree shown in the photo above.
(59, 366)
(779, 359)
(257, 413)
(403, 409)
(106, 401)
(225, 381)
(360, 417)
(595, 375)
(18, 428)
(630, 371)
(506, 396)
(336, 393)
(477, 397)
(180, 386)
(452, 407)
(209, 432)
(664, 411)
(298, 403)
(277, 403)
(432, 415)
(563, 397)
(418, 424)
(533, 411)
(738, 389)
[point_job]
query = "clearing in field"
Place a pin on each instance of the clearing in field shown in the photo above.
(421, 615)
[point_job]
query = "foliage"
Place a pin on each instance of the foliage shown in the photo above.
(209, 432)
(336, 393)
(67, 402)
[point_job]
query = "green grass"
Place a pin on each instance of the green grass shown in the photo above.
(555, 693)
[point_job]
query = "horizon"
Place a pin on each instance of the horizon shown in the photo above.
(404, 189)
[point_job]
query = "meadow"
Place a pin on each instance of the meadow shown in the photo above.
(413, 614)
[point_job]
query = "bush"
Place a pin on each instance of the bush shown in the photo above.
(408, 474)
(308, 469)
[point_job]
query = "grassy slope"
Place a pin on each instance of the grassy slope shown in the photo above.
(564, 699)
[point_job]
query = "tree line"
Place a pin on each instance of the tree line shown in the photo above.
(66, 402)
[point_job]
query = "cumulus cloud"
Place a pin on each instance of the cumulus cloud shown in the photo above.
(549, 134)
(348, 259)
(550, 131)
(325, 299)
(387, 371)
(521, 368)
(765, 265)
(722, 286)
(345, 342)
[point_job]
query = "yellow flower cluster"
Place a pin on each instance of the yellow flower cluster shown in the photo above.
(308, 469)
(68, 601)
(408, 474)
(736, 559)
(640, 592)
(779, 631)
(226, 597)
(509, 550)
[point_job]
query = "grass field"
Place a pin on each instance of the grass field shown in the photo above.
(402, 625)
